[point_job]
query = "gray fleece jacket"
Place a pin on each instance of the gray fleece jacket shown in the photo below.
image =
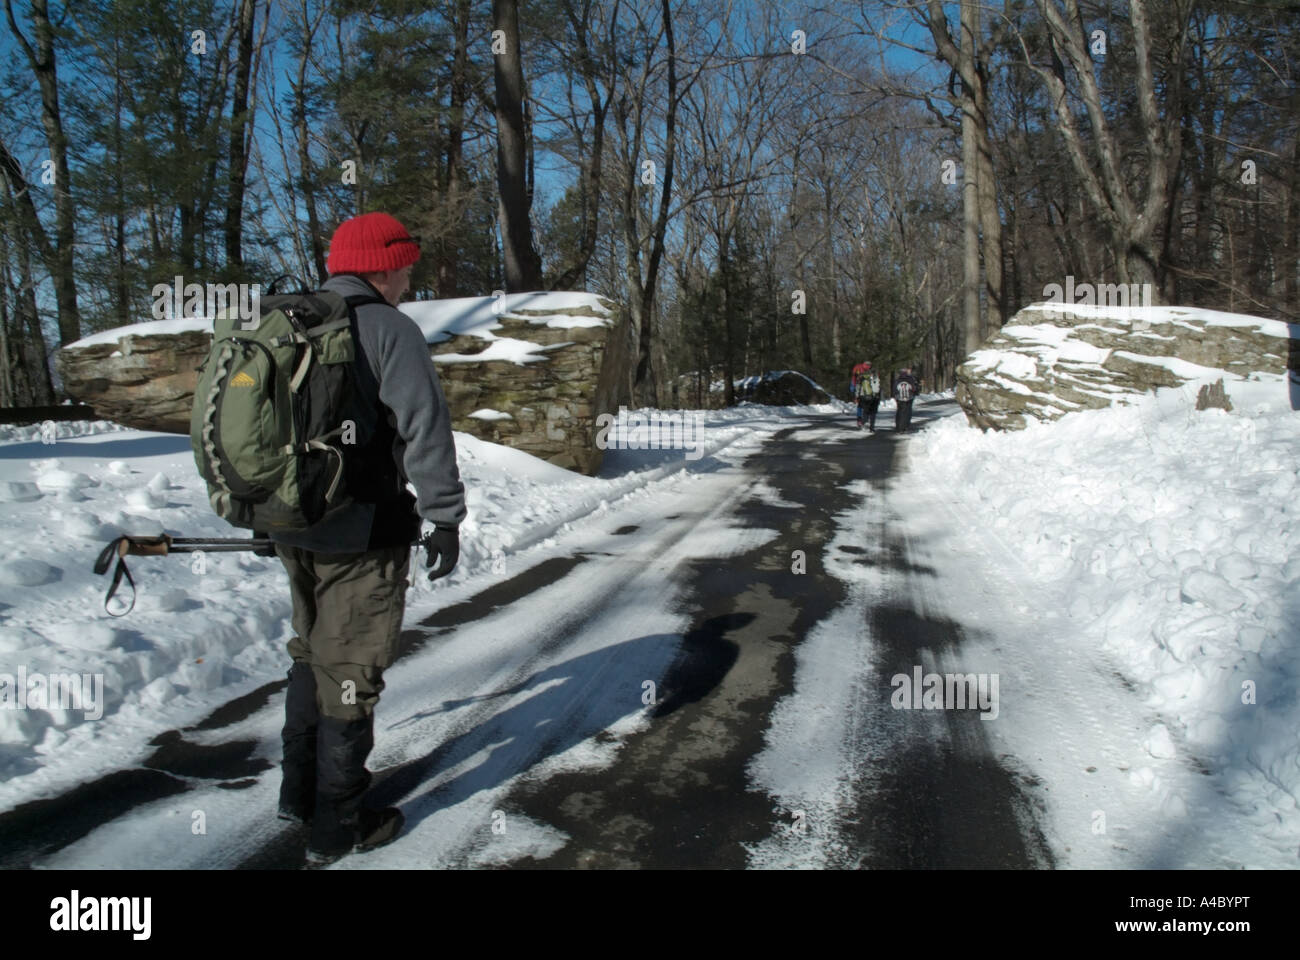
(406, 390)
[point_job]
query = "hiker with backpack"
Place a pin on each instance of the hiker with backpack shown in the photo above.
(906, 387)
(865, 385)
(350, 377)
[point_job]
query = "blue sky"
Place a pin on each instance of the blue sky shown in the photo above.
(552, 174)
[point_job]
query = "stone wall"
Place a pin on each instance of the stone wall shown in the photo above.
(545, 406)
(1051, 359)
(140, 380)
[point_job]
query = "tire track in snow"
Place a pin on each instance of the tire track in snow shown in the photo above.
(915, 788)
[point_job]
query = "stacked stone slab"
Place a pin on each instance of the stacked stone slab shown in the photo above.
(1052, 359)
(546, 406)
(139, 380)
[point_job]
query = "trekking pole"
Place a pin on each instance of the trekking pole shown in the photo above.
(161, 545)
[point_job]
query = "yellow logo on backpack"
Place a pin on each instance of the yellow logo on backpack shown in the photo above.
(242, 379)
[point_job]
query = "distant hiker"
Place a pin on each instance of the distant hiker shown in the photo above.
(859, 370)
(906, 387)
(865, 385)
(347, 573)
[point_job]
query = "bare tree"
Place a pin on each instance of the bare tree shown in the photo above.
(26, 355)
(447, 268)
(588, 128)
(633, 116)
(308, 24)
(1133, 218)
(240, 131)
(523, 265)
(970, 60)
(58, 257)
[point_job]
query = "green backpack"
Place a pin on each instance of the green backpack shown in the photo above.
(274, 409)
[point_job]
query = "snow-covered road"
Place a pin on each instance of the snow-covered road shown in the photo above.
(636, 695)
(750, 661)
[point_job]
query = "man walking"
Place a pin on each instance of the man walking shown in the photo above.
(906, 387)
(347, 574)
(866, 386)
(854, 375)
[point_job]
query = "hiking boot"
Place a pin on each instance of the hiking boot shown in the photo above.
(368, 830)
(341, 782)
(298, 768)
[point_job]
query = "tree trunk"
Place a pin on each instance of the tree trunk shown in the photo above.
(1017, 295)
(805, 340)
(645, 380)
(185, 199)
(121, 295)
(522, 264)
(1291, 261)
(305, 173)
(449, 258)
(970, 198)
(632, 263)
(968, 57)
(209, 115)
(590, 175)
(238, 136)
(990, 221)
(60, 264)
(728, 367)
(7, 365)
(941, 364)
(837, 353)
(1131, 223)
(33, 353)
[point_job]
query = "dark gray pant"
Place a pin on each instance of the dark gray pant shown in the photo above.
(903, 415)
(867, 407)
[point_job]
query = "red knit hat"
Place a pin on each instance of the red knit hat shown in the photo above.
(370, 243)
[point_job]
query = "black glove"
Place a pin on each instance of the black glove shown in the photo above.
(267, 551)
(444, 543)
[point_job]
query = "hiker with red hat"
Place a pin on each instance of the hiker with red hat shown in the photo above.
(865, 385)
(348, 572)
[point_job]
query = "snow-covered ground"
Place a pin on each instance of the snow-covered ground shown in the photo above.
(1132, 575)
(1163, 542)
(1131, 572)
(202, 633)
